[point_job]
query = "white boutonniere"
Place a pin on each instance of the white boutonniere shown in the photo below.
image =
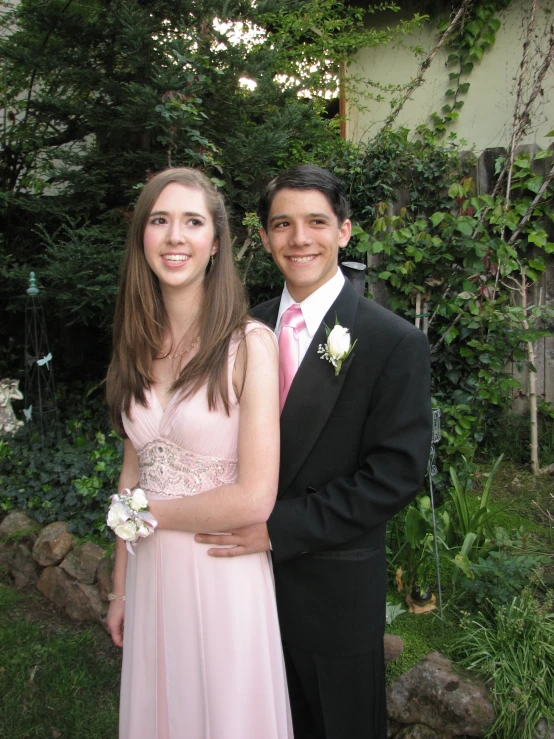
(129, 517)
(338, 346)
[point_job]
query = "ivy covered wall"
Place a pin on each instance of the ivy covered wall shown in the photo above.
(485, 91)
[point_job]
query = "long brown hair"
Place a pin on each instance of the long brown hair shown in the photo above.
(140, 316)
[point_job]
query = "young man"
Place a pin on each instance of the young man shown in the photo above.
(354, 450)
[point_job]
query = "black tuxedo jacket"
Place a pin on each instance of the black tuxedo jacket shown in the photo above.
(354, 451)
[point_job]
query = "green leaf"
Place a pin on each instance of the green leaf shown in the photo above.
(458, 104)
(456, 190)
(476, 52)
(437, 218)
(534, 183)
(542, 154)
(488, 38)
(451, 334)
(464, 87)
(494, 23)
(454, 76)
(450, 93)
(538, 237)
(467, 68)
(474, 27)
(452, 59)
(415, 527)
(523, 161)
(384, 275)
(464, 227)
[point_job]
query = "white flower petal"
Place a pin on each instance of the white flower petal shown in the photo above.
(126, 531)
(138, 500)
(117, 513)
(338, 342)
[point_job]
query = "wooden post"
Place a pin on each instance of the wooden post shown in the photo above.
(342, 100)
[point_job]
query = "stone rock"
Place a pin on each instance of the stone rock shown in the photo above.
(82, 562)
(394, 646)
(419, 731)
(53, 544)
(104, 576)
(53, 583)
(435, 695)
(17, 521)
(23, 567)
(543, 731)
(6, 553)
(84, 603)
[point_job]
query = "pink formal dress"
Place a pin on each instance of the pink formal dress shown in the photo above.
(202, 655)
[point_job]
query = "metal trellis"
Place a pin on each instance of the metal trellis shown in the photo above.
(41, 411)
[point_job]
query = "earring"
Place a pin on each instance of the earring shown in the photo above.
(211, 261)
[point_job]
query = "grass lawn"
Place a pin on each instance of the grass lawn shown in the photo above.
(58, 680)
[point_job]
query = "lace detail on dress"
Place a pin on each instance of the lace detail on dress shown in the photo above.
(167, 469)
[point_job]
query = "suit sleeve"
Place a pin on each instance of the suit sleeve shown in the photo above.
(392, 463)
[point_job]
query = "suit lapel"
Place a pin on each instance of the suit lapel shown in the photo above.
(268, 312)
(314, 391)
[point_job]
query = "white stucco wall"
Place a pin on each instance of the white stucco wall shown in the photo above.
(486, 118)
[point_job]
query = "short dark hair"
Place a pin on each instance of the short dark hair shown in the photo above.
(306, 177)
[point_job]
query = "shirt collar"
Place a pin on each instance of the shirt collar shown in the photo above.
(316, 305)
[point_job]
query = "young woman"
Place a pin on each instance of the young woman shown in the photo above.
(193, 386)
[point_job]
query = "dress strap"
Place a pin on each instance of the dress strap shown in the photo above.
(252, 325)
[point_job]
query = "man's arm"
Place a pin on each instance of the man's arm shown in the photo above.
(395, 451)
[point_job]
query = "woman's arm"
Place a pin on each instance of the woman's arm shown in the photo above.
(250, 500)
(116, 611)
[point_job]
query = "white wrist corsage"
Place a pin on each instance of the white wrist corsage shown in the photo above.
(338, 347)
(129, 517)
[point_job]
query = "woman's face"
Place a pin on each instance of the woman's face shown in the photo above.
(179, 237)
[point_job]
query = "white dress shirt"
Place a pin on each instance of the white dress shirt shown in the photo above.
(314, 308)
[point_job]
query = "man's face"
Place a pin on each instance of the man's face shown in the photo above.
(303, 237)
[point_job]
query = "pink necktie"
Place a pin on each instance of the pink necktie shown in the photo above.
(291, 323)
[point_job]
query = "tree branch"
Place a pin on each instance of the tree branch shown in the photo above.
(426, 64)
(519, 93)
(529, 212)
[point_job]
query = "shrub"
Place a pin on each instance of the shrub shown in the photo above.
(503, 572)
(514, 653)
(71, 481)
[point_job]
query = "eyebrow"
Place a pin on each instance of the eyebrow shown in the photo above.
(326, 216)
(186, 213)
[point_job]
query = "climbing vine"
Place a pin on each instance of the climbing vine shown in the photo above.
(470, 39)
